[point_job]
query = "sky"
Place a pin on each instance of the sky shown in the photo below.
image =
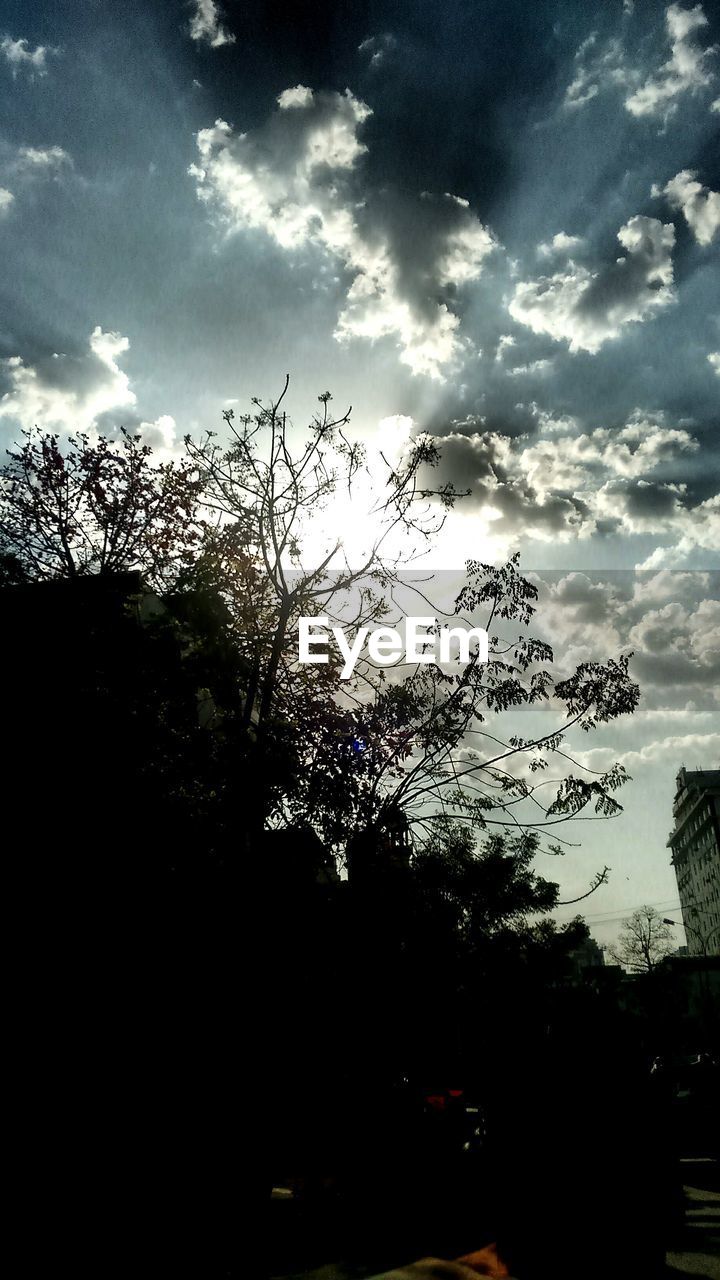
(493, 222)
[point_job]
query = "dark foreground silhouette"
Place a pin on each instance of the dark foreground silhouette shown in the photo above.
(187, 1033)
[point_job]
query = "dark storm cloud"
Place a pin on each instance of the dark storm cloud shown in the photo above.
(638, 278)
(643, 500)
(521, 508)
(590, 602)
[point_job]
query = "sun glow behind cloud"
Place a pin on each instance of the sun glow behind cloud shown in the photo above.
(456, 245)
(299, 180)
(488, 306)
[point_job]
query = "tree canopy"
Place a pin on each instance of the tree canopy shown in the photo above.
(248, 524)
(425, 740)
(95, 505)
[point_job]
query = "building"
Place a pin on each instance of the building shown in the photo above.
(587, 956)
(695, 844)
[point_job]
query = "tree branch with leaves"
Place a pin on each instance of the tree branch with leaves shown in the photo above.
(96, 506)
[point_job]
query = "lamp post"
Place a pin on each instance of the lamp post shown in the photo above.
(704, 938)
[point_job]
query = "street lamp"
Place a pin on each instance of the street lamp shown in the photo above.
(704, 938)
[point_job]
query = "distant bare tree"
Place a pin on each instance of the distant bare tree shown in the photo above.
(644, 941)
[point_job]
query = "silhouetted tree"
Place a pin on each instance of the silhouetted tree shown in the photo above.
(199, 726)
(483, 886)
(356, 751)
(237, 524)
(433, 746)
(96, 506)
(644, 941)
(268, 489)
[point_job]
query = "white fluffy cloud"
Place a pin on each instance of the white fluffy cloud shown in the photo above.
(565, 483)
(298, 179)
(87, 392)
(699, 205)
(299, 96)
(160, 435)
(534, 367)
(283, 184)
(20, 56)
(694, 750)
(6, 200)
(574, 461)
(714, 359)
(206, 25)
(561, 245)
(687, 70)
(561, 484)
(41, 159)
(648, 90)
(587, 307)
(65, 392)
(674, 628)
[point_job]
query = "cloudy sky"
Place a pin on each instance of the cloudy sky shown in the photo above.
(492, 221)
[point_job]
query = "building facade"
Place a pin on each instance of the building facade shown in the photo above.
(695, 844)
